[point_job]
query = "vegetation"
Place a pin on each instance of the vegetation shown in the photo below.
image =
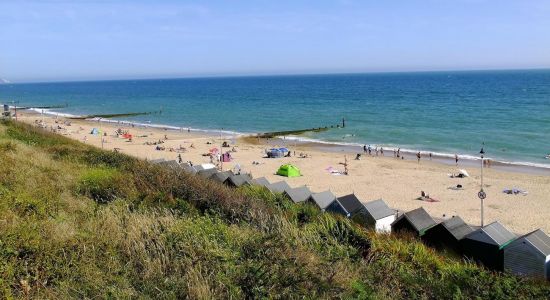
(79, 222)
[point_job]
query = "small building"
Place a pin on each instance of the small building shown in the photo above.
(416, 221)
(189, 168)
(262, 181)
(279, 187)
(380, 215)
(221, 176)
(299, 194)
(485, 245)
(322, 200)
(447, 234)
(238, 180)
(529, 255)
(351, 207)
(158, 160)
(206, 173)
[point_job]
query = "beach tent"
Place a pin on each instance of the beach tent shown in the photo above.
(226, 157)
(416, 221)
(275, 153)
(351, 207)
(299, 194)
(380, 215)
(485, 245)
(322, 200)
(447, 234)
(279, 187)
(289, 170)
(463, 172)
(262, 181)
(283, 150)
(94, 131)
(238, 180)
(221, 176)
(529, 255)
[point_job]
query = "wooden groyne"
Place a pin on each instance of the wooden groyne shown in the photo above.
(43, 107)
(108, 116)
(299, 131)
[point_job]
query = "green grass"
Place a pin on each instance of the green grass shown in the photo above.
(79, 222)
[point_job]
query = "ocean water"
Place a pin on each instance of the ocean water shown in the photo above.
(440, 112)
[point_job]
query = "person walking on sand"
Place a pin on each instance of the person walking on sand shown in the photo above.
(365, 148)
(418, 156)
(456, 160)
(398, 152)
(179, 158)
(430, 156)
(381, 151)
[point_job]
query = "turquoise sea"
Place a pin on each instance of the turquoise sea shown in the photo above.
(439, 112)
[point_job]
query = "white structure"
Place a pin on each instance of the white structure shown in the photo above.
(529, 255)
(380, 215)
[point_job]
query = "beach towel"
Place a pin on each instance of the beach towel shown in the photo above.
(515, 191)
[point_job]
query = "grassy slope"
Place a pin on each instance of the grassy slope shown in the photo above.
(79, 222)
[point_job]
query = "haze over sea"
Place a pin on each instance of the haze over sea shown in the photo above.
(440, 112)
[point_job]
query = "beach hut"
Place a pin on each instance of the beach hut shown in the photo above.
(221, 176)
(171, 164)
(380, 215)
(204, 167)
(188, 168)
(156, 161)
(351, 207)
(416, 221)
(207, 173)
(289, 170)
(299, 194)
(322, 200)
(485, 245)
(238, 180)
(262, 181)
(529, 255)
(279, 187)
(447, 234)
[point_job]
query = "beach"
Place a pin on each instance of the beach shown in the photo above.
(399, 182)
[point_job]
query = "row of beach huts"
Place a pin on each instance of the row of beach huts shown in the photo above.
(494, 246)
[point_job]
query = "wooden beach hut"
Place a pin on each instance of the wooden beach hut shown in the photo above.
(322, 200)
(380, 215)
(299, 194)
(221, 176)
(279, 187)
(156, 161)
(485, 245)
(238, 180)
(262, 181)
(189, 168)
(529, 255)
(206, 173)
(447, 234)
(416, 221)
(351, 207)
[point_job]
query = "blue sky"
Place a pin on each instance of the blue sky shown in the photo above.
(101, 39)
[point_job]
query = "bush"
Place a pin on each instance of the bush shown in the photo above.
(104, 185)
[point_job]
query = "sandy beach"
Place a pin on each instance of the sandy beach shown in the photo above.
(398, 182)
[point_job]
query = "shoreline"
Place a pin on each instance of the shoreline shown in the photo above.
(336, 147)
(398, 182)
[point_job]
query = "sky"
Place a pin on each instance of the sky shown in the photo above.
(103, 39)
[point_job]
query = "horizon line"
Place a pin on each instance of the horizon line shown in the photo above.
(214, 76)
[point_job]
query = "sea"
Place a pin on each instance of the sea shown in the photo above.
(444, 113)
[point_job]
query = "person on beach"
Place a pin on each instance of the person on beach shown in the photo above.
(398, 152)
(394, 153)
(179, 159)
(418, 156)
(430, 156)
(381, 151)
(456, 160)
(365, 148)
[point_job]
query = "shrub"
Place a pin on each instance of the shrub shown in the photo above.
(104, 185)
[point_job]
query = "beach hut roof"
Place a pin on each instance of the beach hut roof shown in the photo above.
(156, 161)
(188, 168)
(457, 227)
(497, 234)
(262, 181)
(172, 164)
(378, 209)
(323, 199)
(207, 173)
(221, 176)
(539, 240)
(204, 167)
(279, 187)
(350, 203)
(238, 180)
(298, 194)
(419, 219)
